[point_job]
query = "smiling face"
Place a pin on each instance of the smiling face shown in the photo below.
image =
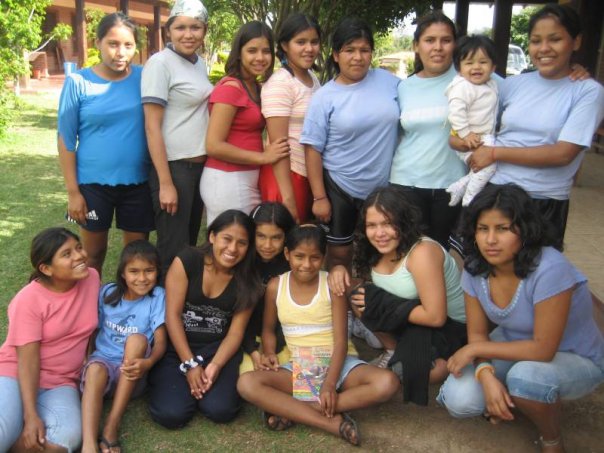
(551, 48)
(435, 49)
(496, 239)
(117, 49)
(269, 241)
(140, 276)
(476, 68)
(229, 246)
(354, 59)
(305, 261)
(186, 35)
(256, 58)
(302, 50)
(381, 233)
(68, 265)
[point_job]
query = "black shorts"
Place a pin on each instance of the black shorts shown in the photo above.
(345, 211)
(131, 203)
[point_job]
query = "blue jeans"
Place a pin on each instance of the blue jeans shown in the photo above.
(567, 376)
(59, 409)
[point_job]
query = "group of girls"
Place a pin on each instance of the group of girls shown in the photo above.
(330, 153)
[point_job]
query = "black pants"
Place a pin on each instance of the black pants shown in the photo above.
(171, 403)
(438, 217)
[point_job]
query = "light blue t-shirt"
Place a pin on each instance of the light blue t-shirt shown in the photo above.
(103, 122)
(423, 157)
(127, 317)
(401, 283)
(537, 111)
(354, 127)
(553, 275)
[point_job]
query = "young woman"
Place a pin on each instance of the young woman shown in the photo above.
(210, 294)
(312, 317)
(131, 338)
(547, 119)
(175, 92)
(285, 98)
(50, 322)
(349, 133)
(273, 221)
(234, 139)
(423, 163)
(102, 146)
(407, 264)
(546, 346)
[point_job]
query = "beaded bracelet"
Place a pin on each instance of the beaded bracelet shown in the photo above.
(481, 367)
(193, 362)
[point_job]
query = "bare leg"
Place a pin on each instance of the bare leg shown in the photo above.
(129, 236)
(546, 418)
(365, 386)
(92, 405)
(136, 346)
(439, 373)
(95, 244)
(339, 254)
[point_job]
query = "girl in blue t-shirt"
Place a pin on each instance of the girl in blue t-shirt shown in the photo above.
(130, 339)
(547, 346)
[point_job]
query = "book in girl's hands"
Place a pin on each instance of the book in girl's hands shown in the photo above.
(309, 369)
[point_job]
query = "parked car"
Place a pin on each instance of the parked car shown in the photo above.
(516, 60)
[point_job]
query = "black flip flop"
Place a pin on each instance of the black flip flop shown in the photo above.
(109, 445)
(348, 426)
(278, 424)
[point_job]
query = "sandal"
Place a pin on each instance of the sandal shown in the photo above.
(276, 422)
(557, 442)
(109, 445)
(349, 431)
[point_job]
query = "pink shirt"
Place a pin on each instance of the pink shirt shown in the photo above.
(61, 322)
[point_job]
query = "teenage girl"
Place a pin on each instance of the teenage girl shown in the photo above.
(273, 222)
(50, 322)
(234, 140)
(285, 98)
(210, 295)
(131, 338)
(312, 316)
(102, 146)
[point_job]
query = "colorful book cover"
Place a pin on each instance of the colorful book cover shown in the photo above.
(309, 369)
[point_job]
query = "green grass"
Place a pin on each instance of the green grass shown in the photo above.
(32, 197)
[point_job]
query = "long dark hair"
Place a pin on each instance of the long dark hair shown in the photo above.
(294, 24)
(247, 32)
(114, 20)
(273, 213)
(306, 233)
(141, 249)
(564, 14)
(247, 280)
(44, 246)
(526, 221)
(404, 216)
(433, 17)
(348, 30)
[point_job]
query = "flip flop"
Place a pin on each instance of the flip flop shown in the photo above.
(349, 430)
(276, 422)
(109, 445)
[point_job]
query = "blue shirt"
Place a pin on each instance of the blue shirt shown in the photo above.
(537, 111)
(103, 122)
(553, 275)
(127, 317)
(354, 127)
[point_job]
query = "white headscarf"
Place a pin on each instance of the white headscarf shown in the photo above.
(190, 8)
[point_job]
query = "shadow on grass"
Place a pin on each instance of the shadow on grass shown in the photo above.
(47, 119)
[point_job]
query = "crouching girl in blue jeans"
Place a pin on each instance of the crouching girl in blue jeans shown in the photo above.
(546, 346)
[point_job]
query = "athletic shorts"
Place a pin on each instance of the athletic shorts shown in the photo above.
(132, 205)
(345, 211)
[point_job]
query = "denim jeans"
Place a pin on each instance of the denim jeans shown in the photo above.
(59, 409)
(567, 376)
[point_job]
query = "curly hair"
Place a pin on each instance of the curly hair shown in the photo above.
(405, 217)
(526, 221)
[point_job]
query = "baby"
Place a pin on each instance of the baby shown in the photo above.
(472, 109)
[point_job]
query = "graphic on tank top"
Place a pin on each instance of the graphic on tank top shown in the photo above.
(204, 319)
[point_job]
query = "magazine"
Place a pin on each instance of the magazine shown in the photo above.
(309, 369)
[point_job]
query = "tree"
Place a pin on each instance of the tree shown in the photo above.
(519, 27)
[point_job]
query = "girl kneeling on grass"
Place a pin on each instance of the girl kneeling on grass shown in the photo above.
(312, 317)
(49, 323)
(131, 339)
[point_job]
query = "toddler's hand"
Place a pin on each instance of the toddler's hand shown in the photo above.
(472, 140)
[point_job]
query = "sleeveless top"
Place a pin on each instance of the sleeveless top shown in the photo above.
(401, 283)
(307, 325)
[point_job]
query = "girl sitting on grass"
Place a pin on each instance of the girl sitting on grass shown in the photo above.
(131, 339)
(273, 222)
(312, 317)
